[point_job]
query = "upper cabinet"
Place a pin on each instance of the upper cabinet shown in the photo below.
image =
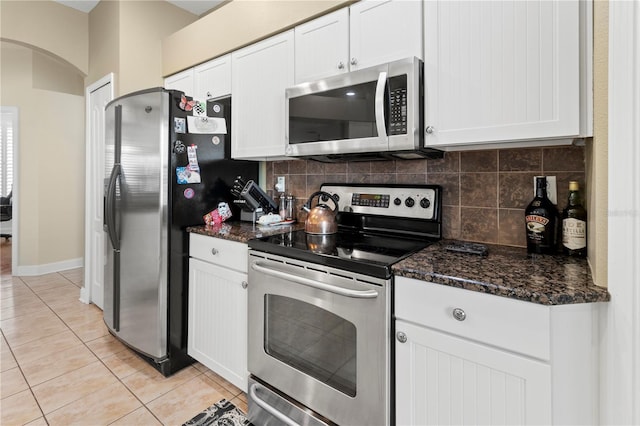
(261, 73)
(183, 81)
(368, 33)
(213, 78)
(505, 71)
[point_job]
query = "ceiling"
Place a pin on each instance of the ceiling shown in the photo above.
(197, 7)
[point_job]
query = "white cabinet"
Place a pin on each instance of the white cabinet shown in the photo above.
(217, 334)
(183, 81)
(261, 73)
(213, 78)
(506, 71)
(368, 33)
(463, 357)
(322, 46)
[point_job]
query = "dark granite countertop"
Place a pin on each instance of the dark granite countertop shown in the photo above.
(507, 272)
(242, 231)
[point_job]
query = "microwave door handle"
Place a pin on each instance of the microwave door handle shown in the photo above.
(379, 105)
(357, 294)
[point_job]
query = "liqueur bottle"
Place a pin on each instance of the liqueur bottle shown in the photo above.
(574, 224)
(541, 221)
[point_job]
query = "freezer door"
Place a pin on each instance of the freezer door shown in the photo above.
(142, 221)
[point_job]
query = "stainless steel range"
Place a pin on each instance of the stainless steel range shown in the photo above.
(320, 308)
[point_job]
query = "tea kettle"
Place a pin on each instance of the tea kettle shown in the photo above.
(321, 219)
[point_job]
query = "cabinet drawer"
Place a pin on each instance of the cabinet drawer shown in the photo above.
(498, 321)
(229, 254)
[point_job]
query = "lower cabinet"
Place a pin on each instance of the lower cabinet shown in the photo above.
(445, 380)
(217, 336)
(463, 357)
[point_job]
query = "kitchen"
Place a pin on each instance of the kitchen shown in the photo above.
(305, 170)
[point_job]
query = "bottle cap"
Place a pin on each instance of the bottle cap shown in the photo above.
(574, 186)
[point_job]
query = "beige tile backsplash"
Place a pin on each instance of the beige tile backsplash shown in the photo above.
(485, 192)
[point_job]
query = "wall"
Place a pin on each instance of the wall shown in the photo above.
(104, 41)
(59, 30)
(485, 192)
(234, 25)
(51, 154)
(142, 27)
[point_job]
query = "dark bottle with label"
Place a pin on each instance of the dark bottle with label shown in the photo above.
(541, 221)
(574, 224)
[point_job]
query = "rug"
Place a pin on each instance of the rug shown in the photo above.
(222, 413)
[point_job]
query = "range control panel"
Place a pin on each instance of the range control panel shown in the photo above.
(418, 201)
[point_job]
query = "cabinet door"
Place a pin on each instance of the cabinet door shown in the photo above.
(218, 320)
(261, 73)
(322, 46)
(183, 81)
(444, 380)
(501, 71)
(213, 78)
(384, 31)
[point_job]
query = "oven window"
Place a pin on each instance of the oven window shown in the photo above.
(312, 340)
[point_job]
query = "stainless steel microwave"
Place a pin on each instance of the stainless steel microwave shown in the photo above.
(377, 112)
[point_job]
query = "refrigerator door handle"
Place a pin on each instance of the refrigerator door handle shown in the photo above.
(110, 213)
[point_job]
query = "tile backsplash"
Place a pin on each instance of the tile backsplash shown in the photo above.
(485, 192)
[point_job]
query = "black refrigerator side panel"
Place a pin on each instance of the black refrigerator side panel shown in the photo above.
(178, 296)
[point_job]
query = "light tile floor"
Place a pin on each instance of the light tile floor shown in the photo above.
(60, 366)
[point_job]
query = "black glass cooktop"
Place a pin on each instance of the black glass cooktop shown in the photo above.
(360, 252)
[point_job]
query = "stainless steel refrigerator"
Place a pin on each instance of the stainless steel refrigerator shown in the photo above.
(161, 177)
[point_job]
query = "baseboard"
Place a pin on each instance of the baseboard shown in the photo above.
(48, 268)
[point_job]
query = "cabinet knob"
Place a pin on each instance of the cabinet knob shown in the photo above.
(402, 338)
(245, 284)
(459, 314)
(208, 95)
(214, 251)
(430, 129)
(340, 65)
(353, 61)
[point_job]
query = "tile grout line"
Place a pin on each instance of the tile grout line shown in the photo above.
(25, 379)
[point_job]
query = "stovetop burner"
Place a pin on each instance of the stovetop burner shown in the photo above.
(373, 234)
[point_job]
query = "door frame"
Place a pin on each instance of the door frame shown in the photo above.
(15, 240)
(85, 292)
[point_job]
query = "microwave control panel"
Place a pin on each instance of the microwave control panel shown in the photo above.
(398, 105)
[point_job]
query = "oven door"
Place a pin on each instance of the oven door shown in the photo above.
(321, 336)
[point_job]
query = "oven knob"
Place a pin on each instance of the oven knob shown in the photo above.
(409, 202)
(402, 338)
(397, 201)
(325, 198)
(425, 203)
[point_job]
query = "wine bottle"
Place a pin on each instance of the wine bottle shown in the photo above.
(574, 224)
(541, 221)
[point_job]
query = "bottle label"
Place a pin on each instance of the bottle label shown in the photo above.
(536, 223)
(574, 233)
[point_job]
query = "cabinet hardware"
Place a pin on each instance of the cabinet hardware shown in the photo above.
(402, 338)
(214, 251)
(459, 314)
(340, 65)
(245, 284)
(353, 61)
(430, 129)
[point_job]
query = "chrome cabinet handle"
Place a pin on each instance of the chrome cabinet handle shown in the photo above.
(353, 61)
(459, 314)
(340, 65)
(430, 129)
(402, 338)
(214, 251)
(208, 95)
(245, 284)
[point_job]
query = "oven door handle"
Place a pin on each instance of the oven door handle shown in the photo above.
(269, 409)
(358, 294)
